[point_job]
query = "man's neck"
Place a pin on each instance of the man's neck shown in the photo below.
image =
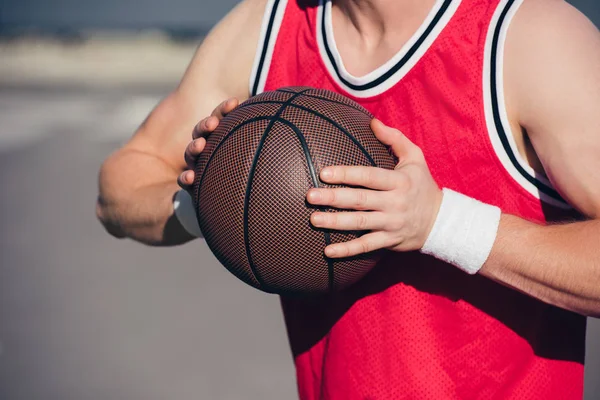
(369, 32)
(373, 20)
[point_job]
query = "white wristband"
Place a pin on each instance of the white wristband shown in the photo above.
(186, 214)
(464, 232)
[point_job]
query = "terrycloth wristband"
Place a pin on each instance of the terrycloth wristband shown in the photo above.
(186, 214)
(464, 232)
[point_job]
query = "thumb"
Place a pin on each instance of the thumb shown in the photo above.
(401, 146)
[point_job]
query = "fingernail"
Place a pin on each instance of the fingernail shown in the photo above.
(326, 173)
(330, 251)
(314, 195)
(317, 219)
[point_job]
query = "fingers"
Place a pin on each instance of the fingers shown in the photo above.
(225, 107)
(205, 126)
(364, 244)
(369, 177)
(210, 123)
(193, 149)
(198, 143)
(350, 221)
(347, 198)
(186, 179)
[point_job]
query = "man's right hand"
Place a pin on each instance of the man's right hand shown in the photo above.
(201, 131)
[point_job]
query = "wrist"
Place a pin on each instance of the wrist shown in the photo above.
(464, 232)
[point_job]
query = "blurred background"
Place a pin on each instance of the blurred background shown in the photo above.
(84, 316)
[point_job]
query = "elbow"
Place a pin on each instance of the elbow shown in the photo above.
(102, 214)
(109, 225)
(105, 207)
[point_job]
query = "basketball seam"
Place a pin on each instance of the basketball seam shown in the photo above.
(244, 105)
(272, 120)
(223, 139)
(261, 102)
(362, 110)
(338, 126)
(263, 138)
(315, 179)
(322, 116)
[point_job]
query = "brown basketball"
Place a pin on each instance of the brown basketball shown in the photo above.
(251, 185)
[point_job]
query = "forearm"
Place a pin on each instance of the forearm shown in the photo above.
(135, 199)
(558, 264)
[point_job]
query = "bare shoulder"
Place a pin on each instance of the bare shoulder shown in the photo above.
(551, 49)
(219, 69)
(552, 86)
(228, 52)
(537, 18)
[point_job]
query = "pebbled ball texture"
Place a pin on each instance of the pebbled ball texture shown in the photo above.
(251, 184)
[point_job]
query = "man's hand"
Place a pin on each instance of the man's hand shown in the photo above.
(399, 207)
(201, 131)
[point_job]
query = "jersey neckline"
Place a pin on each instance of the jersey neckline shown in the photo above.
(392, 71)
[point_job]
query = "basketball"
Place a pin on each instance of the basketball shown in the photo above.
(251, 184)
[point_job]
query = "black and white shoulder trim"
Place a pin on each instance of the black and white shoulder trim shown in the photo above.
(497, 121)
(271, 23)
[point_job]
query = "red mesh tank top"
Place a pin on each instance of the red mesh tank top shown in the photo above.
(416, 328)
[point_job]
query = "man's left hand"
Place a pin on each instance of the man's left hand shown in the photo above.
(398, 207)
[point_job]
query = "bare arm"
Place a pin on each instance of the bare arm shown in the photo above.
(553, 83)
(138, 182)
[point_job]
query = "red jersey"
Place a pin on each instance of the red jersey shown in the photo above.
(415, 327)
